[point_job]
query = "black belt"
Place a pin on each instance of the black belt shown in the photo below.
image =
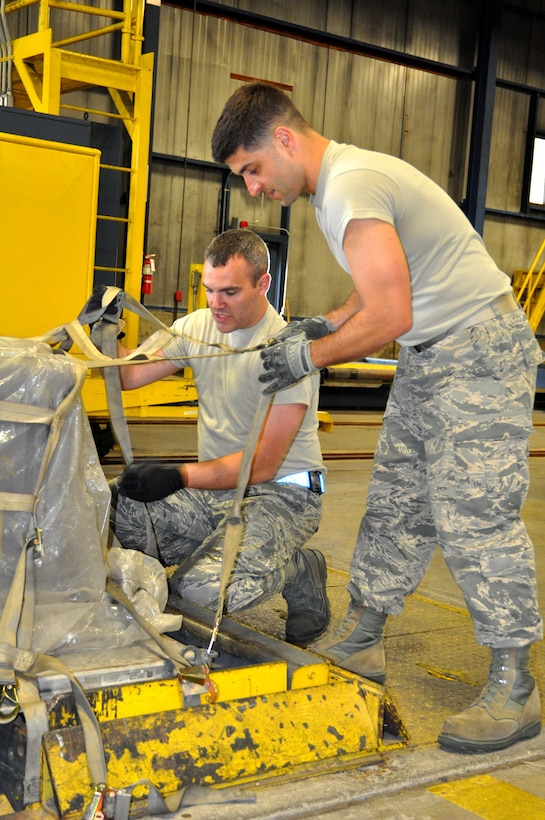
(312, 480)
(503, 304)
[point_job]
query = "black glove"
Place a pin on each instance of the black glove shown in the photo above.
(286, 363)
(315, 327)
(149, 481)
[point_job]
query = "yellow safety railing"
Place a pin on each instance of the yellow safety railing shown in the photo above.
(129, 22)
(529, 291)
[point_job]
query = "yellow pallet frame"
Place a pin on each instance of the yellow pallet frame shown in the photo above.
(284, 714)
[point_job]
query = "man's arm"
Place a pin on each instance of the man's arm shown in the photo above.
(279, 431)
(147, 482)
(376, 313)
(378, 265)
(138, 375)
(379, 310)
(277, 436)
(150, 481)
(339, 315)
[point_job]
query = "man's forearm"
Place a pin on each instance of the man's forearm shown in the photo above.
(223, 473)
(139, 375)
(338, 316)
(359, 336)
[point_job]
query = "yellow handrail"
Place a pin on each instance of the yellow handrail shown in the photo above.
(533, 307)
(129, 21)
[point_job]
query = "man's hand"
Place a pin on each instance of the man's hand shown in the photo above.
(96, 315)
(149, 481)
(112, 313)
(286, 363)
(314, 327)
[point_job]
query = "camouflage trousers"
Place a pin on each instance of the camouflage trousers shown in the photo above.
(277, 519)
(451, 471)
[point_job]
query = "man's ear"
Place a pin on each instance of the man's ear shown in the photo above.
(284, 135)
(264, 284)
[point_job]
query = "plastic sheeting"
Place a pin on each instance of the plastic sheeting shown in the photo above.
(73, 613)
(143, 580)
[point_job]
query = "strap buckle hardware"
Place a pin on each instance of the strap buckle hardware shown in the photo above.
(9, 703)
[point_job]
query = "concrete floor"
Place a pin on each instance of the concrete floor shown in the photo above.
(434, 668)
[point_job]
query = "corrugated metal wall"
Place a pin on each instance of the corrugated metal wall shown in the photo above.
(514, 243)
(420, 116)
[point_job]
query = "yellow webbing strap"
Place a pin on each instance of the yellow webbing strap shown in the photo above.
(233, 527)
(17, 620)
(16, 657)
(29, 665)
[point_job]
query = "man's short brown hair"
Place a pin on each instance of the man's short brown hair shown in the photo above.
(249, 117)
(239, 242)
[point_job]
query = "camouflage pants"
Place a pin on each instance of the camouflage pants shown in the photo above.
(451, 471)
(278, 519)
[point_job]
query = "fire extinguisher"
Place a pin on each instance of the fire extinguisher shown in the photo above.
(147, 273)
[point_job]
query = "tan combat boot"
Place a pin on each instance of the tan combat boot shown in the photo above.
(358, 643)
(507, 710)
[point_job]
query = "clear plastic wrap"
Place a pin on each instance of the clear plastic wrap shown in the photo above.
(143, 580)
(73, 613)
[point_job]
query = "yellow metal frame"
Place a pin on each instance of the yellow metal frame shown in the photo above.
(289, 733)
(42, 239)
(280, 712)
(44, 70)
(155, 400)
(291, 716)
(531, 293)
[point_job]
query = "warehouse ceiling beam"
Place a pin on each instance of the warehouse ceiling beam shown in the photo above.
(326, 39)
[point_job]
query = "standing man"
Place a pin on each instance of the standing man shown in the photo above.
(451, 464)
(282, 506)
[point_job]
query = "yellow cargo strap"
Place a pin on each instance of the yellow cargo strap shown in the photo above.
(233, 524)
(16, 624)
(104, 355)
(17, 620)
